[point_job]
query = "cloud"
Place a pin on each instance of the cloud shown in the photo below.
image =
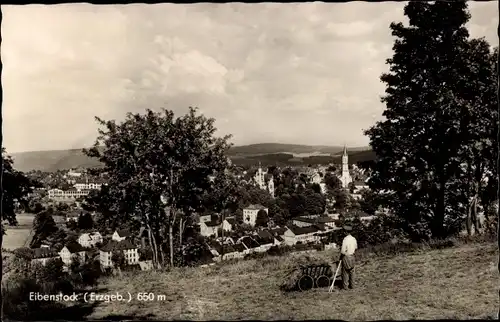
(302, 73)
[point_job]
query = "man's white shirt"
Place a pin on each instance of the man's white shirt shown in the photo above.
(349, 245)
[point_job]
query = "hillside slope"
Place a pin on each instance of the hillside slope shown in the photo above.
(455, 283)
(244, 155)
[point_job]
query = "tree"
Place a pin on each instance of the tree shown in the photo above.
(368, 202)
(16, 187)
(479, 128)
(419, 143)
(85, 221)
(158, 168)
(262, 218)
(118, 259)
(43, 227)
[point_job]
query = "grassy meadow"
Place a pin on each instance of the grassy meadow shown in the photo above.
(451, 283)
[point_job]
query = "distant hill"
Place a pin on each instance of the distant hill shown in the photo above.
(266, 153)
(271, 148)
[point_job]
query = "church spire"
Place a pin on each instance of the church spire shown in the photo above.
(345, 150)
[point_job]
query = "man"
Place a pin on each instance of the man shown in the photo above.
(349, 247)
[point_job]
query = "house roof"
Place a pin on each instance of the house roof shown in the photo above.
(263, 240)
(325, 219)
(215, 245)
(239, 247)
(124, 233)
(255, 207)
(304, 219)
(231, 221)
(44, 252)
(213, 223)
(265, 234)
(278, 231)
(302, 230)
(74, 247)
(249, 242)
(114, 245)
(229, 249)
(278, 238)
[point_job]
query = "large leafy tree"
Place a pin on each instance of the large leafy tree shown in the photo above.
(15, 189)
(479, 129)
(420, 143)
(158, 167)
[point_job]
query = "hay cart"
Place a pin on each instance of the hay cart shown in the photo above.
(309, 276)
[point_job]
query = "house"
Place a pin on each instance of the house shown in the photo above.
(43, 255)
(367, 219)
(304, 235)
(146, 265)
(303, 222)
(329, 222)
(210, 228)
(72, 216)
(90, 239)
(205, 218)
(85, 184)
(231, 252)
(229, 224)
(70, 250)
(130, 252)
(250, 213)
(334, 216)
(121, 234)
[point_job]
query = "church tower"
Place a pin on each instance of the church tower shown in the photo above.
(259, 178)
(346, 177)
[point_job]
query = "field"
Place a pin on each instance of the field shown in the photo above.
(16, 236)
(452, 283)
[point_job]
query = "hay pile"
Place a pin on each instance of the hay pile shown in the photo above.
(294, 273)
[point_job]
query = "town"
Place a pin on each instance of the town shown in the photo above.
(250, 229)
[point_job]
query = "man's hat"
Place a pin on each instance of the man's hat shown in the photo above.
(347, 228)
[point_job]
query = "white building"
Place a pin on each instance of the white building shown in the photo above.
(130, 252)
(210, 228)
(90, 239)
(229, 224)
(305, 235)
(85, 184)
(250, 213)
(67, 195)
(71, 250)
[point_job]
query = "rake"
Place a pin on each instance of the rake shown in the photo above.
(335, 277)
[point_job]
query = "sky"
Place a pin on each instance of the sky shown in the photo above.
(303, 73)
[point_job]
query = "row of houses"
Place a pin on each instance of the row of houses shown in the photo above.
(232, 247)
(120, 241)
(211, 224)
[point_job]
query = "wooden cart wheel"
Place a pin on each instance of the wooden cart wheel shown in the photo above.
(322, 281)
(306, 282)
